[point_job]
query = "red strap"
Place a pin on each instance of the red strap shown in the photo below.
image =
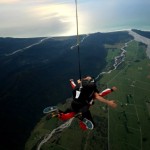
(73, 85)
(66, 116)
(105, 92)
(82, 125)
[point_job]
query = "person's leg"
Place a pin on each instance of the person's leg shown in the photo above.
(85, 118)
(67, 114)
(76, 107)
(86, 122)
(88, 116)
(84, 110)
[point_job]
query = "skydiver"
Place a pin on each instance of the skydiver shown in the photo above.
(84, 94)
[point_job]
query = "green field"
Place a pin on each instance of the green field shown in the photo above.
(125, 128)
(129, 125)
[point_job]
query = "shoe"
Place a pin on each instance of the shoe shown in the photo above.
(88, 123)
(50, 109)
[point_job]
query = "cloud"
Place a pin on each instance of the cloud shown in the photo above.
(55, 15)
(8, 1)
(37, 19)
(36, 29)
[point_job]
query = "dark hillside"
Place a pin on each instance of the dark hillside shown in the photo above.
(38, 76)
(8, 45)
(143, 33)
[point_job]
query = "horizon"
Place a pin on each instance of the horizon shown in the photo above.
(76, 35)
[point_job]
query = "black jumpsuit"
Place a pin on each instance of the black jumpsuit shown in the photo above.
(82, 100)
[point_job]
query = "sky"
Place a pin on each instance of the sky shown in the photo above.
(44, 18)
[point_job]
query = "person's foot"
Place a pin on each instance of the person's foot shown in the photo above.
(88, 123)
(50, 109)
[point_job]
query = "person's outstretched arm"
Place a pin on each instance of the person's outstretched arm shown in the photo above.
(110, 103)
(107, 91)
(73, 85)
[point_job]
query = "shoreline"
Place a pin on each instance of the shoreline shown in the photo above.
(140, 38)
(59, 36)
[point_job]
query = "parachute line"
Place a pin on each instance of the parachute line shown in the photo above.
(78, 40)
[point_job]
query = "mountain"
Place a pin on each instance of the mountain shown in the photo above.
(35, 73)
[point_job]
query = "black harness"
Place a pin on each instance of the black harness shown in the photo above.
(84, 93)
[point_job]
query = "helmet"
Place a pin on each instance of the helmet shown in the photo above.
(88, 82)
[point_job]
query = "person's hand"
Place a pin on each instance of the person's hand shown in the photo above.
(112, 103)
(114, 88)
(79, 81)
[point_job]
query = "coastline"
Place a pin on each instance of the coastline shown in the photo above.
(142, 39)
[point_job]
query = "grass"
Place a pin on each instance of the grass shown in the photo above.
(129, 124)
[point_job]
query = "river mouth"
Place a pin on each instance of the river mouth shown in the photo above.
(142, 39)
